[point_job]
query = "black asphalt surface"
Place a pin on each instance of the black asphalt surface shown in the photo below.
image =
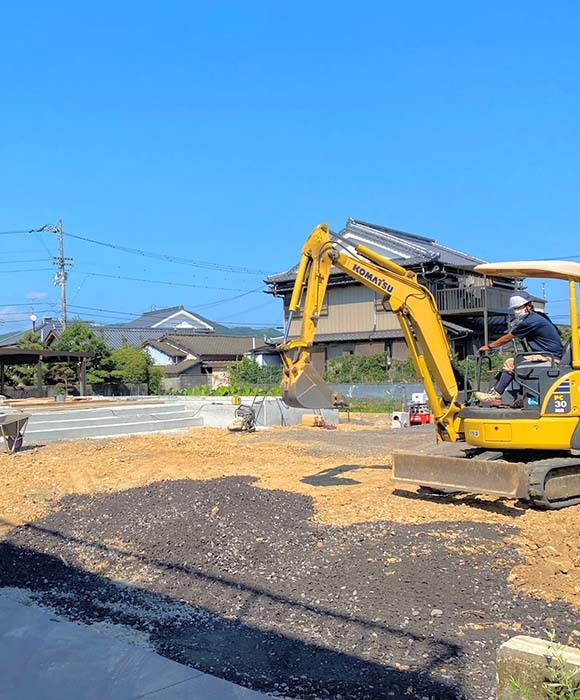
(237, 581)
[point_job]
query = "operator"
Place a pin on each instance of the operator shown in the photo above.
(540, 333)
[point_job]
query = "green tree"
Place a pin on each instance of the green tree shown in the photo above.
(357, 369)
(403, 372)
(79, 337)
(155, 379)
(369, 369)
(130, 365)
(133, 365)
(30, 341)
(248, 371)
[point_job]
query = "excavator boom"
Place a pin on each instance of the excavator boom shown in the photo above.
(413, 304)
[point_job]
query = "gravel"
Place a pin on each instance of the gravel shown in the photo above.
(240, 582)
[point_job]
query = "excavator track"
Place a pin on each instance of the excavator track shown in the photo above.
(549, 483)
(554, 483)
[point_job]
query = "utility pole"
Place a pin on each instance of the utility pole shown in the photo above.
(61, 264)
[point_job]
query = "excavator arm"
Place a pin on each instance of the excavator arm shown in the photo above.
(413, 305)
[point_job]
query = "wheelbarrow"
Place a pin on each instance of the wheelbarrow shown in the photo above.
(12, 427)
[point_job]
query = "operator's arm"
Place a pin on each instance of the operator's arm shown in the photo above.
(497, 343)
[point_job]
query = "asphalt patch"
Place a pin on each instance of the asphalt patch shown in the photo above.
(239, 581)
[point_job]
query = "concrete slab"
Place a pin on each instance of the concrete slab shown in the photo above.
(43, 655)
(528, 660)
(166, 414)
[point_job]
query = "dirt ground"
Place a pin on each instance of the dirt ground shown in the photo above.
(284, 560)
(342, 470)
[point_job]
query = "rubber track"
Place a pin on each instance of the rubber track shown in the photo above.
(538, 472)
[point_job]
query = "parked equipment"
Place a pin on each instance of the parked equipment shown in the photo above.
(244, 421)
(419, 414)
(527, 453)
(12, 427)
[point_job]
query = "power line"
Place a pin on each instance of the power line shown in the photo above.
(36, 269)
(224, 301)
(40, 302)
(92, 308)
(171, 258)
(32, 260)
(172, 284)
(561, 257)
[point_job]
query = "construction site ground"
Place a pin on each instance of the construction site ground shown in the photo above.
(284, 560)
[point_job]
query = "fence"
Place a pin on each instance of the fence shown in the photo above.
(118, 389)
(403, 392)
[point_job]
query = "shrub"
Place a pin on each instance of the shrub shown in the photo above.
(370, 369)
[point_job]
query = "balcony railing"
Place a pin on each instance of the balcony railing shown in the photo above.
(470, 300)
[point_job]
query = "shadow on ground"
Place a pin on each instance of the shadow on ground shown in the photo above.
(334, 475)
(230, 648)
(239, 582)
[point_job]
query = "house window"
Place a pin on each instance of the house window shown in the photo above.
(335, 350)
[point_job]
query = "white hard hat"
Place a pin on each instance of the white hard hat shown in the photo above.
(520, 299)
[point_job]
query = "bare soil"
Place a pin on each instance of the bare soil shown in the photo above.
(345, 472)
(285, 560)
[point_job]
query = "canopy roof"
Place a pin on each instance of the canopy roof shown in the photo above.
(20, 356)
(558, 269)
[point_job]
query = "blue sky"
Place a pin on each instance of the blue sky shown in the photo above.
(222, 132)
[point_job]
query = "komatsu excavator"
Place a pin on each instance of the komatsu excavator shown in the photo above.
(530, 453)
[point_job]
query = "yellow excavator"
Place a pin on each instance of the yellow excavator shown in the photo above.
(530, 453)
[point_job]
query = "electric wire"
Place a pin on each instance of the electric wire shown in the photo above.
(32, 260)
(172, 284)
(170, 258)
(36, 269)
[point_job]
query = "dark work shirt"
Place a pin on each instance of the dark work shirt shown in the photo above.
(540, 333)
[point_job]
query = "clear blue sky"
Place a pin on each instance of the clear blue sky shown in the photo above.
(224, 131)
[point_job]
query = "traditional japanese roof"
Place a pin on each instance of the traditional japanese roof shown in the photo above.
(173, 317)
(117, 336)
(267, 349)
(166, 349)
(406, 249)
(212, 344)
(177, 368)
(44, 329)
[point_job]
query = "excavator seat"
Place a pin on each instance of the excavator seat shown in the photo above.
(536, 378)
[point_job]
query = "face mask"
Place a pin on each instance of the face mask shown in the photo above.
(520, 313)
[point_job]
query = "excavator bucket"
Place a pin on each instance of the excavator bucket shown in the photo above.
(306, 389)
(444, 471)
